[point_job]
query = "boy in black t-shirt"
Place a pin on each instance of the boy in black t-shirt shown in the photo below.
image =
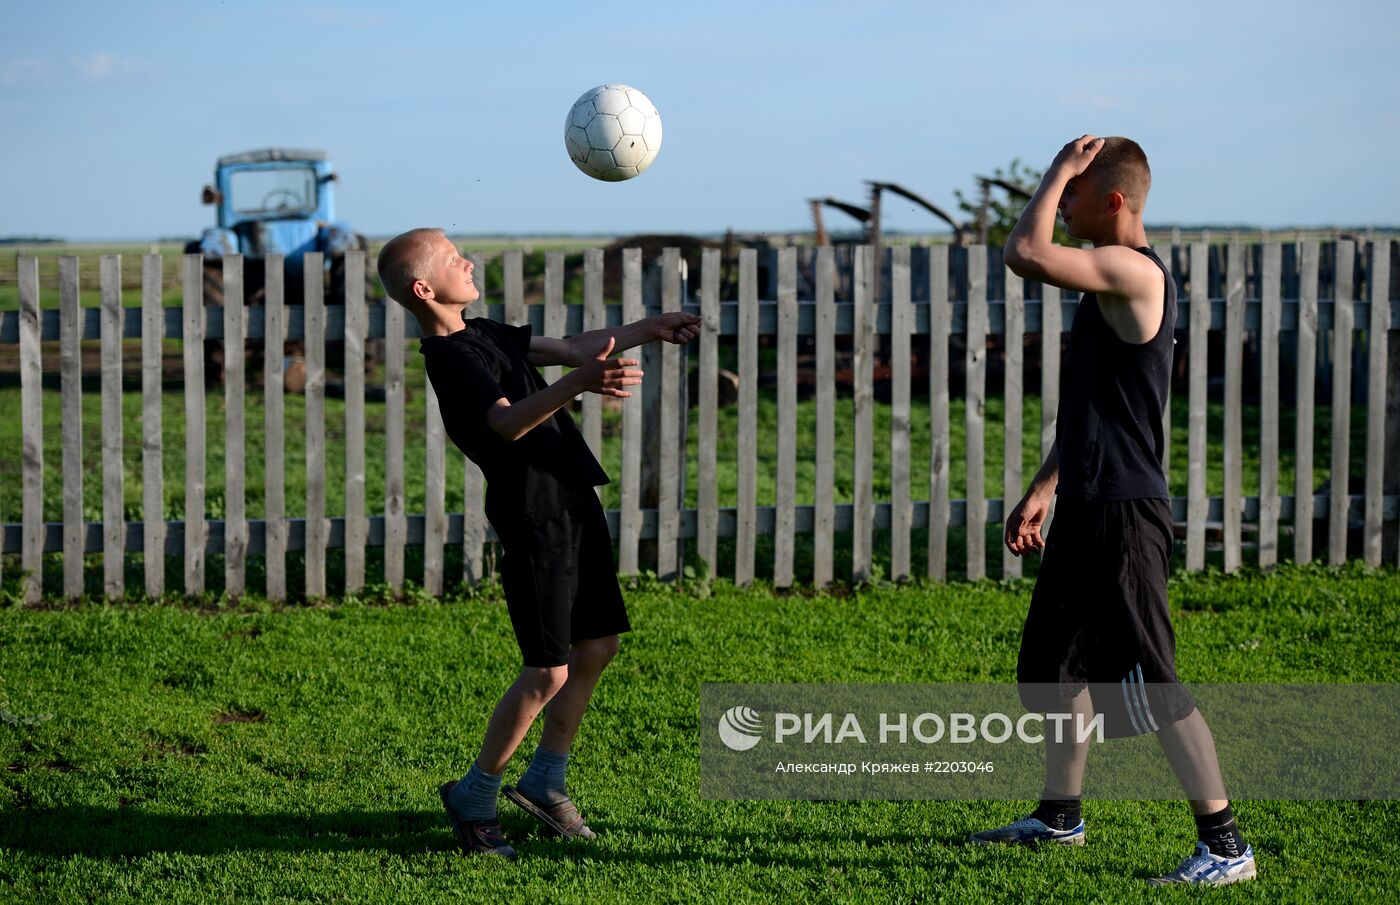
(558, 573)
(1098, 636)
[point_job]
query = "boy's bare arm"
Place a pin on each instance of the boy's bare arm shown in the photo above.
(673, 326)
(601, 374)
(1031, 251)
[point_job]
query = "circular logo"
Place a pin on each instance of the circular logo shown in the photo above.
(740, 728)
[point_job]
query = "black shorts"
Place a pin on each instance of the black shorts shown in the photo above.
(561, 583)
(1099, 617)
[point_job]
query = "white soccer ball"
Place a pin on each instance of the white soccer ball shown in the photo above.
(613, 133)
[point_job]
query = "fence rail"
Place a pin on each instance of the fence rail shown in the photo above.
(653, 527)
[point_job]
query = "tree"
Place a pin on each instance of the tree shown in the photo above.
(1005, 194)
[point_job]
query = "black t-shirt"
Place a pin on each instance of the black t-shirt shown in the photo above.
(529, 480)
(1109, 428)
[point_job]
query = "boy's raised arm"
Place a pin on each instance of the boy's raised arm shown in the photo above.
(600, 374)
(1031, 251)
(673, 327)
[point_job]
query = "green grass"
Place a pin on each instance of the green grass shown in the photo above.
(140, 789)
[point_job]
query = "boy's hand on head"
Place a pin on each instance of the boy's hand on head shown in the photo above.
(1075, 157)
(607, 376)
(675, 326)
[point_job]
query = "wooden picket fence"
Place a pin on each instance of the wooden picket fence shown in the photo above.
(1214, 300)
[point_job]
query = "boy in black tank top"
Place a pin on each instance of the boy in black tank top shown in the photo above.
(1098, 637)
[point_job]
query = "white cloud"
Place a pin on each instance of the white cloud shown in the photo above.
(101, 66)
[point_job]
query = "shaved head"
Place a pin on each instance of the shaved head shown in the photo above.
(1121, 166)
(405, 259)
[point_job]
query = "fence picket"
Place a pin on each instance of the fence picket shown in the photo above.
(152, 442)
(113, 474)
(901, 328)
(940, 323)
(1376, 402)
(668, 498)
(1051, 329)
(1012, 416)
(784, 523)
(235, 508)
(473, 522)
(317, 531)
(1196, 362)
(863, 391)
(1305, 395)
(707, 376)
(512, 263)
(977, 328)
(593, 319)
(274, 429)
(192, 343)
(1234, 370)
(554, 312)
(824, 521)
(31, 381)
(434, 492)
(71, 372)
(395, 522)
(356, 332)
(1270, 315)
(630, 491)
(748, 417)
(1343, 322)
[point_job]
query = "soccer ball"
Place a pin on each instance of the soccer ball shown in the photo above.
(613, 133)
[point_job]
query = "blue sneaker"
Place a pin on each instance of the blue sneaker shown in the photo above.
(1206, 869)
(1030, 831)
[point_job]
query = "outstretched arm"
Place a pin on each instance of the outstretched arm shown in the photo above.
(1031, 251)
(673, 327)
(600, 374)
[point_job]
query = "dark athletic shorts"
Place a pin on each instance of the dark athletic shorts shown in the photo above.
(1099, 617)
(561, 583)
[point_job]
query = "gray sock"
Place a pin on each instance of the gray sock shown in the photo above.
(474, 798)
(544, 778)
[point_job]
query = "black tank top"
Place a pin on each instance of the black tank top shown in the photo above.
(1109, 426)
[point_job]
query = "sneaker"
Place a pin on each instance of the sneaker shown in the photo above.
(1209, 869)
(477, 837)
(1030, 831)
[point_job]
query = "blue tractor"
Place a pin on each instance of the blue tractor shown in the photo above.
(274, 201)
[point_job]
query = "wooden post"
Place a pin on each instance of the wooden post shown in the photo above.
(1376, 402)
(824, 517)
(593, 319)
(554, 313)
(901, 329)
(863, 380)
(630, 518)
(1234, 368)
(274, 428)
(235, 445)
(512, 263)
(356, 334)
(434, 492)
(192, 341)
(1344, 317)
(152, 444)
(748, 418)
(940, 321)
(395, 522)
(70, 327)
(977, 327)
(707, 497)
(1011, 436)
(785, 521)
(1305, 394)
(113, 473)
(1271, 314)
(672, 458)
(317, 530)
(31, 382)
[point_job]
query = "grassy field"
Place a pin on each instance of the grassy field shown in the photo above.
(292, 754)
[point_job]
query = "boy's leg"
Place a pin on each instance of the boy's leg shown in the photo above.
(565, 711)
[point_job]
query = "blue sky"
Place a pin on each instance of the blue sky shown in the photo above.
(453, 114)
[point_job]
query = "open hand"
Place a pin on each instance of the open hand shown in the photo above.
(1075, 157)
(675, 326)
(607, 376)
(1024, 523)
